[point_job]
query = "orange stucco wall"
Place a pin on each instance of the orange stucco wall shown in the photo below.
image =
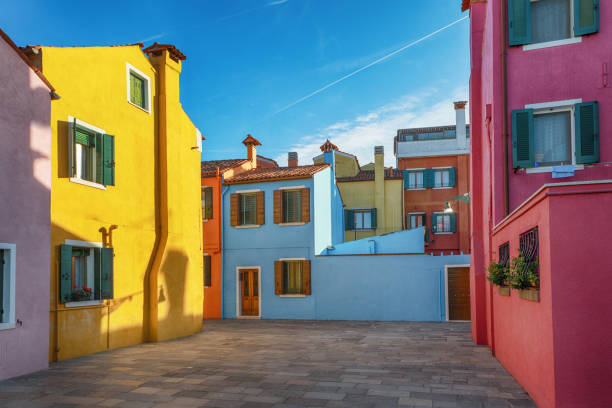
(212, 246)
(432, 200)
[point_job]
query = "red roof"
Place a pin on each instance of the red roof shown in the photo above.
(250, 140)
(465, 4)
(277, 173)
(368, 175)
(157, 48)
(209, 168)
(272, 161)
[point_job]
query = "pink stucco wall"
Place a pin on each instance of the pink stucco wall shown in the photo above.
(25, 165)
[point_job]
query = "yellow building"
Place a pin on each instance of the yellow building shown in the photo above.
(373, 195)
(125, 199)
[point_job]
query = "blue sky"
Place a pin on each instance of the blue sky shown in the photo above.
(248, 59)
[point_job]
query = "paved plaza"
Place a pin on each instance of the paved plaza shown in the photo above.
(259, 363)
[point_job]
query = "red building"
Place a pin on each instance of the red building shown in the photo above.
(541, 177)
(213, 173)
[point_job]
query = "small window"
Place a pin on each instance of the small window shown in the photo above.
(207, 203)
(414, 179)
(91, 153)
(416, 220)
(248, 209)
(7, 285)
(85, 273)
(138, 88)
(292, 206)
(292, 277)
(550, 20)
(552, 138)
(442, 178)
(363, 219)
(207, 271)
(443, 223)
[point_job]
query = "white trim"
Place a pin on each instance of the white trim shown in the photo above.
(290, 224)
(556, 43)
(247, 226)
(238, 297)
(291, 259)
(87, 183)
(549, 169)
(85, 124)
(415, 169)
(86, 244)
(553, 104)
(292, 187)
(82, 303)
(198, 140)
(444, 233)
(416, 213)
(130, 68)
(292, 296)
(257, 190)
(446, 288)
(441, 188)
(415, 189)
(12, 272)
(442, 168)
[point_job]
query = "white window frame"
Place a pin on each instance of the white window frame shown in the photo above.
(362, 210)
(12, 268)
(129, 69)
(555, 107)
(76, 179)
(435, 169)
(409, 215)
(422, 170)
(239, 298)
(547, 44)
(449, 224)
(90, 271)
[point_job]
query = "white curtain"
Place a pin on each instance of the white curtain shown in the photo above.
(550, 20)
(552, 143)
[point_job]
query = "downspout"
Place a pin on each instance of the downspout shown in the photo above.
(161, 207)
(222, 245)
(504, 110)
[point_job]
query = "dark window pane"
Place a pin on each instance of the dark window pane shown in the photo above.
(207, 271)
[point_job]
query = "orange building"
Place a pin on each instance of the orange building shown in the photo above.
(436, 166)
(213, 173)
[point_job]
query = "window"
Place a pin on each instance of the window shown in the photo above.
(91, 153)
(7, 285)
(207, 203)
(86, 273)
(444, 223)
(292, 206)
(442, 178)
(138, 88)
(363, 219)
(248, 209)
(292, 277)
(555, 133)
(360, 219)
(207, 271)
(504, 255)
(416, 220)
(551, 21)
(413, 179)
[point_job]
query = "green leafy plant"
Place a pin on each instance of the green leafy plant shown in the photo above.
(498, 274)
(523, 274)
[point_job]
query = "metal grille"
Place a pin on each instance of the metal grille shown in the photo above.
(504, 254)
(529, 245)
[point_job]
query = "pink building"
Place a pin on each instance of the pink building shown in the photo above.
(541, 157)
(25, 166)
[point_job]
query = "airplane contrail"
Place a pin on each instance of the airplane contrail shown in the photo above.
(310, 95)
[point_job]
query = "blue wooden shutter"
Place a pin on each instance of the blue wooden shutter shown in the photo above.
(522, 138)
(434, 222)
(452, 177)
(429, 178)
(519, 22)
(453, 221)
(65, 273)
(587, 132)
(373, 218)
(349, 220)
(586, 17)
(109, 160)
(406, 176)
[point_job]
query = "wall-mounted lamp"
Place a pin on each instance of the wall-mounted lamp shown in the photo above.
(464, 198)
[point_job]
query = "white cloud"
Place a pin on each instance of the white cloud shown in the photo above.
(378, 127)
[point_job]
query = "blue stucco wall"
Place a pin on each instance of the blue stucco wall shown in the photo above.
(322, 210)
(400, 242)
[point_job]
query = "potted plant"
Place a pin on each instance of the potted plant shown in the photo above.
(80, 294)
(524, 276)
(498, 275)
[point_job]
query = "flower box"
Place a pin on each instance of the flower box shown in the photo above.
(503, 290)
(530, 294)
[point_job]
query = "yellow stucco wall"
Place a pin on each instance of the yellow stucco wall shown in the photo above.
(92, 84)
(345, 166)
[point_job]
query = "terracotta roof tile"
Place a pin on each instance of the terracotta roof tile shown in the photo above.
(277, 173)
(328, 146)
(250, 140)
(157, 48)
(465, 4)
(209, 168)
(21, 54)
(368, 175)
(272, 161)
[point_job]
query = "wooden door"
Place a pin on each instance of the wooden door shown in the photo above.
(249, 292)
(459, 293)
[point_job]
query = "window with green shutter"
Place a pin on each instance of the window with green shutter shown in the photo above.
(587, 132)
(91, 154)
(349, 220)
(85, 273)
(137, 90)
(444, 223)
(429, 178)
(519, 22)
(586, 17)
(522, 138)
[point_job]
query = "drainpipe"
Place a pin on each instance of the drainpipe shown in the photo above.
(222, 244)
(504, 110)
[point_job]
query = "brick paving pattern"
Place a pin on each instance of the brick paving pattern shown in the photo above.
(282, 364)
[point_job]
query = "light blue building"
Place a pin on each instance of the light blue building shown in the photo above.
(283, 255)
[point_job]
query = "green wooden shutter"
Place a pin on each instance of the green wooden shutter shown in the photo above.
(107, 275)
(453, 221)
(373, 218)
(586, 17)
(429, 178)
(519, 22)
(137, 93)
(349, 220)
(208, 210)
(97, 272)
(109, 160)
(71, 149)
(406, 183)
(452, 182)
(65, 272)
(434, 222)
(99, 159)
(522, 138)
(424, 220)
(587, 132)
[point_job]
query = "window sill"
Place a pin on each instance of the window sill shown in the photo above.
(247, 226)
(416, 189)
(289, 224)
(548, 44)
(84, 303)
(87, 183)
(249, 317)
(7, 326)
(442, 188)
(139, 107)
(292, 296)
(549, 169)
(443, 233)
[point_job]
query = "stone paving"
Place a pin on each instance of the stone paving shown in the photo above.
(282, 364)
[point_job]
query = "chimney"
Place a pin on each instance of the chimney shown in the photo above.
(292, 159)
(251, 143)
(460, 124)
(379, 187)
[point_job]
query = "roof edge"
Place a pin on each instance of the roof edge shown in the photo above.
(26, 60)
